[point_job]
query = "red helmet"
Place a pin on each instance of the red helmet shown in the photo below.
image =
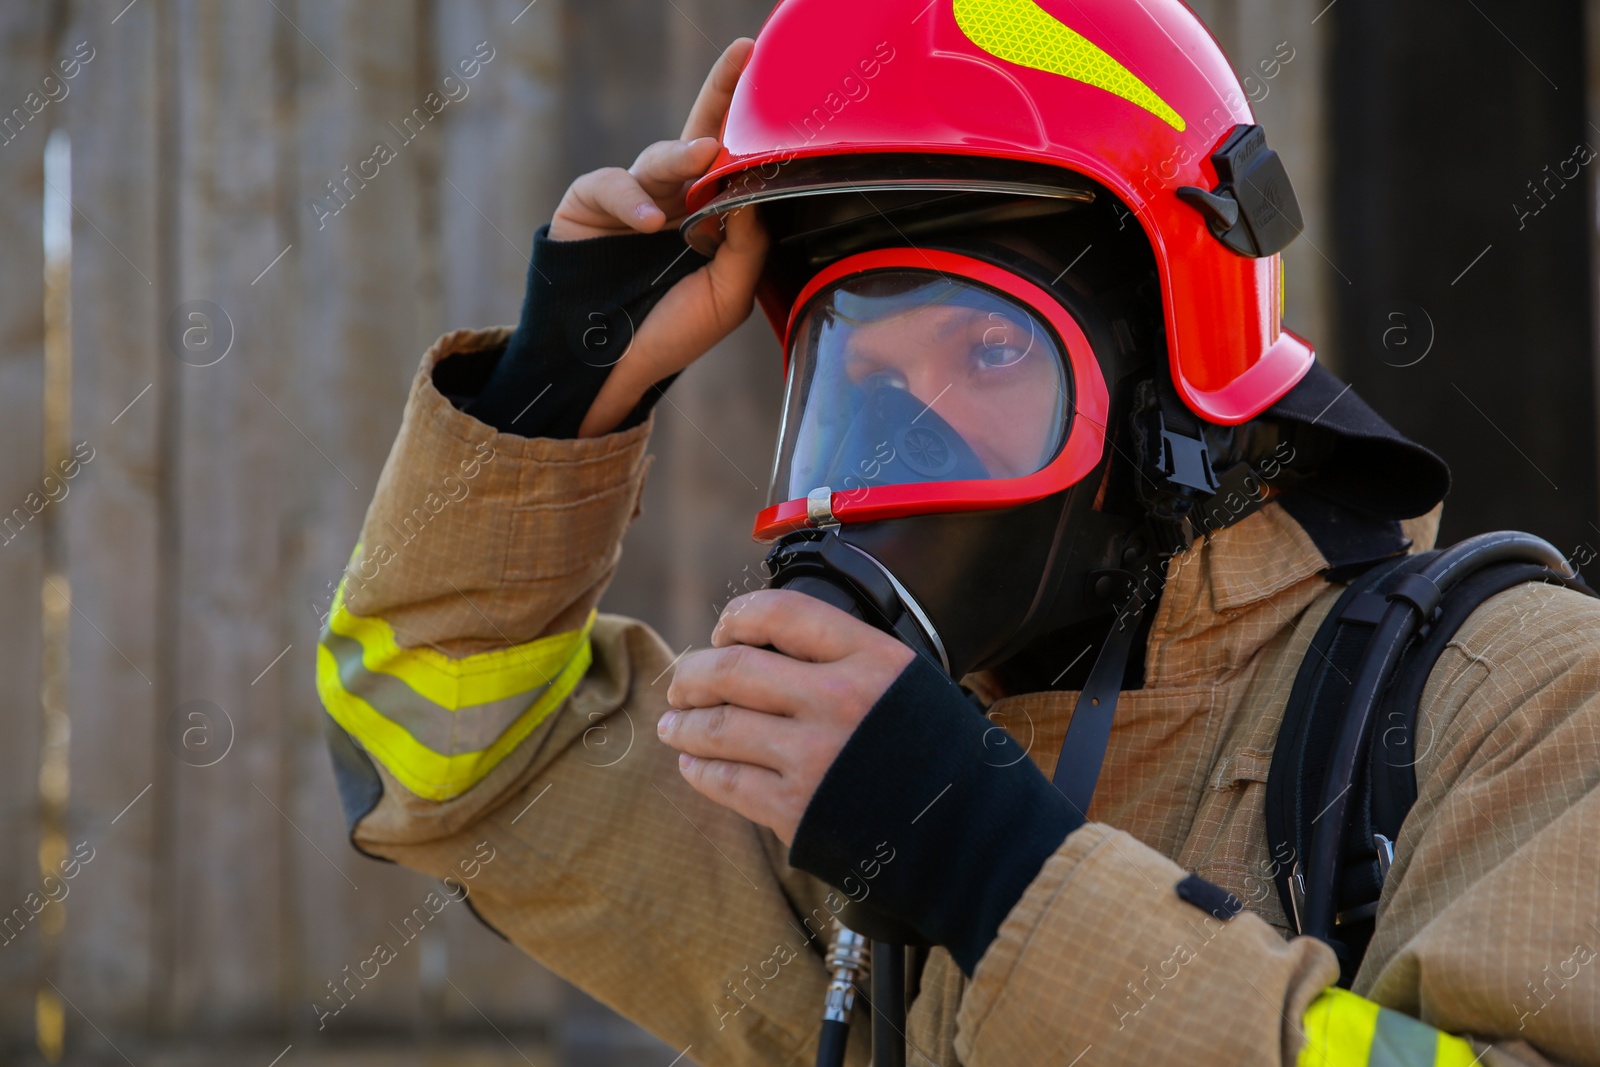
(1137, 96)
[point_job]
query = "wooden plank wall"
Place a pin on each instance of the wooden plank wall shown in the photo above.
(240, 361)
(118, 688)
(26, 48)
(354, 278)
(266, 348)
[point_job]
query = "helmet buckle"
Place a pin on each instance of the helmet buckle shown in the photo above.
(1254, 211)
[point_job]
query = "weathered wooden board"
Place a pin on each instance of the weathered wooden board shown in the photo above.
(118, 539)
(232, 431)
(25, 55)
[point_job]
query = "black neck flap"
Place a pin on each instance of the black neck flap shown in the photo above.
(1374, 469)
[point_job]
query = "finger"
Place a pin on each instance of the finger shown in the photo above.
(742, 675)
(695, 315)
(736, 267)
(729, 732)
(702, 309)
(613, 193)
(754, 792)
(710, 303)
(795, 624)
(711, 106)
(664, 167)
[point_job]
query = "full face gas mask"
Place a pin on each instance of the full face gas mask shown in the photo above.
(946, 467)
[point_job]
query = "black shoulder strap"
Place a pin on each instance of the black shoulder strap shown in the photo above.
(1396, 747)
(1310, 719)
(1383, 785)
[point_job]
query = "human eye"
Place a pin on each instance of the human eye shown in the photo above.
(1004, 342)
(999, 355)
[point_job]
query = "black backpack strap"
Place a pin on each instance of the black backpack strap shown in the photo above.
(1387, 788)
(1433, 594)
(1394, 749)
(1310, 721)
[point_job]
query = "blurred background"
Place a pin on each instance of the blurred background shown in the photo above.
(207, 330)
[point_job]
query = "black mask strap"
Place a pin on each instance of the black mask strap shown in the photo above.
(1083, 750)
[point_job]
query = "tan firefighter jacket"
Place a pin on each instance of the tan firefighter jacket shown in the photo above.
(465, 657)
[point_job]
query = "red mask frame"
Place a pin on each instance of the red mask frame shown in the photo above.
(1079, 454)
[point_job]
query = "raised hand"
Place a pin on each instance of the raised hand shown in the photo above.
(647, 197)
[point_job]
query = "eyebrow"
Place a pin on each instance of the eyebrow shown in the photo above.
(954, 323)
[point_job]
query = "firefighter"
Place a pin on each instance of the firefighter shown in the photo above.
(1049, 462)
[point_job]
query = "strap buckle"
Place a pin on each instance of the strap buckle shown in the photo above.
(1184, 460)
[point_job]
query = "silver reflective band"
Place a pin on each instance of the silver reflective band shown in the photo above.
(819, 507)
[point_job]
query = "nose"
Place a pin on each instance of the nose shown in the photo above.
(886, 378)
(929, 381)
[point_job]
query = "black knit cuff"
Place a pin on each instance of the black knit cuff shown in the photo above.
(583, 302)
(965, 817)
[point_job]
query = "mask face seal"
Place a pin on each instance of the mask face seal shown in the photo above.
(921, 381)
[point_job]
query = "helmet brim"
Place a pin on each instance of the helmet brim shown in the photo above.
(898, 172)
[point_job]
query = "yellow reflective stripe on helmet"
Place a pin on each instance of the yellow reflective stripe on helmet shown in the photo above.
(1344, 1030)
(1022, 32)
(413, 732)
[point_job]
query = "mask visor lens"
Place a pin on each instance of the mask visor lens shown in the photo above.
(900, 376)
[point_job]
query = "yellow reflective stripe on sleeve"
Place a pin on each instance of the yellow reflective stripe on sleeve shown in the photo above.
(453, 683)
(1022, 32)
(1454, 1052)
(369, 690)
(1344, 1030)
(1339, 1028)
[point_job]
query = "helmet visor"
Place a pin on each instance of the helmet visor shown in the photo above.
(903, 375)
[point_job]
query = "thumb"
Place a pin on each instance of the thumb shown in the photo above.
(745, 249)
(694, 315)
(736, 268)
